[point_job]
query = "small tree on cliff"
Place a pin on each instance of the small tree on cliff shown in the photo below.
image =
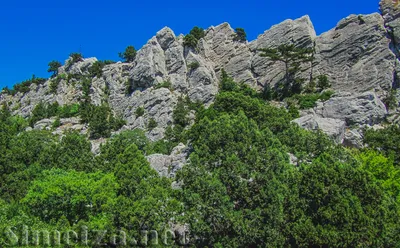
(129, 55)
(292, 57)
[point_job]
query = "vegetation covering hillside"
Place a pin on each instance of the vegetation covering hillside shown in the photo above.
(240, 188)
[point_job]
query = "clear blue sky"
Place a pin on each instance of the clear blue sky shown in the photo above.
(36, 32)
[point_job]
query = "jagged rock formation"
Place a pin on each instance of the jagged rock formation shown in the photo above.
(344, 110)
(359, 55)
(356, 56)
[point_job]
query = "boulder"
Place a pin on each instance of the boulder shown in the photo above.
(355, 109)
(334, 128)
(169, 165)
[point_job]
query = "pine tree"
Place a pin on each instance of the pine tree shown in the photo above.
(292, 57)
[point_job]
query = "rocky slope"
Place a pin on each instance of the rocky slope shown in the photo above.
(359, 56)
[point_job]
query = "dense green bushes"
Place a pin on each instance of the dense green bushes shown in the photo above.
(240, 187)
(43, 111)
(193, 37)
(24, 86)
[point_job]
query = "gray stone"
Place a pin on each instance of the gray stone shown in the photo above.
(299, 32)
(165, 37)
(44, 124)
(150, 65)
(169, 165)
(361, 109)
(334, 128)
(353, 138)
(355, 55)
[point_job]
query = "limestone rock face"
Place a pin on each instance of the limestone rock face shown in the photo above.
(362, 109)
(299, 32)
(223, 52)
(334, 128)
(391, 13)
(355, 55)
(358, 56)
(150, 65)
(344, 115)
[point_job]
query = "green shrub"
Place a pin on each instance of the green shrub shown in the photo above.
(56, 123)
(129, 55)
(197, 32)
(54, 86)
(323, 82)
(390, 100)
(193, 37)
(53, 67)
(24, 87)
(241, 35)
(68, 111)
(179, 115)
(76, 57)
(96, 70)
(307, 101)
(151, 124)
(190, 41)
(166, 84)
(193, 66)
(129, 88)
(6, 90)
(139, 112)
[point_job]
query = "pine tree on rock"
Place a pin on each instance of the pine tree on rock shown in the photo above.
(292, 57)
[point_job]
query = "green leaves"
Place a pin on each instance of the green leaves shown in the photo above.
(75, 195)
(129, 54)
(193, 37)
(53, 67)
(292, 57)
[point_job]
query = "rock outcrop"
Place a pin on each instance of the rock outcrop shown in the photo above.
(335, 128)
(344, 116)
(355, 55)
(358, 56)
(169, 165)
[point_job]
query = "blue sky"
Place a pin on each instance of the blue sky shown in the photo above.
(35, 32)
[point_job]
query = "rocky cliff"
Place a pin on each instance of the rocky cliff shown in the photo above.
(359, 56)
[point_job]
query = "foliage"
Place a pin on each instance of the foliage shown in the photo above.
(129, 88)
(53, 67)
(166, 84)
(129, 54)
(24, 87)
(139, 111)
(228, 84)
(54, 86)
(385, 141)
(193, 37)
(152, 124)
(239, 188)
(241, 35)
(306, 101)
(390, 100)
(323, 83)
(56, 123)
(292, 57)
(96, 70)
(75, 57)
(43, 111)
(99, 122)
(193, 66)
(73, 195)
